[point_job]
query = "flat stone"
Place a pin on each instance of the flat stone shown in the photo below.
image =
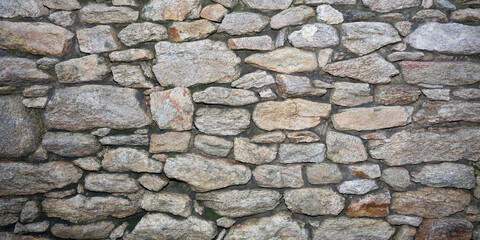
(131, 55)
(132, 140)
(7, 90)
(243, 23)
(273, 176)
(103, 14)
(225, 96)
(192, 63)
(247, 152)
(267, 94)
(268, 5)
(467, 93)
(314, 201)
(434, 112)
(10, 210)
(186, 31)
(205, 174)
(79, 209)
(298, 153)
(130, 76)
(323, 173)
(358, 187)
(370, 205)
(365, 37)
(255, 79)
(430, 15)
(37, 227)
(284, 60)
(289, 86)
(329, 15)
(98, 230)
(136, 33)
(225, 222)
(333, 2)
(11, 236)
(22, 8)
(62, 18)
(35, 37)
(172, 109)
(222, 121)
(269, 137)
(365, 170)
(445, 228)
(345, 149)
(350, 94)
(214, 12)
(400, 56)
(445, 175)
(292, 16)
(227, 3)
(68, 144)
(373, 118)
(17, 71)
(397, 178)
(430, 202)
(396, 94)
(240, 203)
(62, 4)
(353, 228)
(453, 38)
(153, 182)
(98, 39)
(174, 203)
(302, 137)
(111, 183)
(396, 219)
(213, 145)
(39, 102)
(170, 142)
(378, 70)
(354, 15)
(88, 163)
(160, 10)
(94, 106)
(258, 43)
(385, 6)
(28, 179)
(466, 15)
(437, 94)
(318, 35)
(441, 73)
(291, 114)
(85, 69)
(130, 159)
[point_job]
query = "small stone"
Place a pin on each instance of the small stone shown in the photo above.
(444, 4)
(314, 201)
(130, 76)
(302, 137)
(152, 182)
(242, 23)
(353, 228)
(324, 57)
(7, 90)
(12, 236)
(445, 228)
(434, 112)
(30, 212)
(129, 159)
(350, 94)
(136, 33)
(298, 153)
(101, 38)
(396, 94)
(62, 4)
(445, 175)
(225, 96)
(39, 102)
(160, 10)
(269, 137)
(21, 70)
(38, 227)
(403, 27)
(222, 121)
(430, 15)
(63, 194)
(466, 15)
(98, 230)
(170, 142)
(131, 55)
(281, 38)
(354, 15)
(225, 222)
(323, 173)
(103, 14)
(85, 69)
(247, 152)
(258, 43)
(68, 144)
(318, 35)
(174, 203)
(405, 233)
(437, 94)
(172, 109)
(36, 91)
(365, 37)
(88, 163)
(289, 86)
(10, 210)
(441, 73)
(101, 132)
(272, 176)
(22, 8)
(370, 205)
(267, 5)
(132, 140)
(292, 16)
(112, 183)
(467, 93)
(396, 219)
(267, 94)
(329, 15)
(213, 145)
(385, 6)
(39, 155)
(358, 187)
(132, 3)
(400, 56)
(285, 60)
(227, 3)
(186, 31)
(62, 18)
(256, 79)
(365, 170)
(119, 231)
(397, 178)
(345, 149)
(361, 119)
(214, 12)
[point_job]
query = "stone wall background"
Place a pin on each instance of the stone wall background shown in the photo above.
(250, 119)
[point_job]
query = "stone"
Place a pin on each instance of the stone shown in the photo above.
(324, 57)
(94, 106)
(345, 149)
(213, 145)
(372, 118)
(365, 170)
(280, 225)
(467, 93)
(222, 121)
(292, 16)
(240, 203)
(444, 4)
(378, 70)
(225, 222)
(385, 6)
(354, 15)
(103, 14)
(98, 39)
(22, 8)
(36, 91)
(136, 33)
(437, 94)
(397, 178)
(434, 112)
(255, 79)
(353, 228)
(62, 18)
(440, 73)
(445, 175)
(131, 55)
(98, 230)
(111, 183)
(132, 3)
(132, 140)
(247, 152)
(19, 130)
(192, 63)
(400, 56)
(291, 114)
(35, 37)
(119, 231)
(225, 96)
(350, 94)
(466, 15)
(302, 137)
(370, 205)
(28, 179)
(396, 219)
(186, 31)
(258, 43)
(160, 10)
(174, 203)
(242, 23)
(85, 69)
(10, 210)
(445, 228)
(430, 15)
(227, 3)
(30, 212)
(39, 155)
(62, 4)
(365, 37)
(269, 137)
(88, 163)
(170, 142)
(7, 90)
(172, 109)
(358, 187)
(272, 176)
(403, 27)
(11, 236)
(417, 146)
(205, 174)
(450, 38)
(333, 2)
(299, 153)
(38, 227)
(318, 35)
(430, 202)
(130, 159)
(152, 182)
(281, 38)
(323, 173)
(130, 76)
(329, 15)
(17, 71)
(162, 226)
(214, 12)
(40, 102)
(284, 60)
(314, 201)
(396, 94)
(80, 209)
(68, 144)
(267, 94)
(289, 86)
(268, 5)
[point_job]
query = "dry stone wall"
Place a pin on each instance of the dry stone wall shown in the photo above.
(239, 119)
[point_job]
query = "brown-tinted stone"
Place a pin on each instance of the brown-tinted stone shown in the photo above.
(172, 109)
(445, 229)
(434, 112)
(85, 69)
(285, 60)
(442, 73)
(370, 205)
(98, 39)
(214, 12)
(272, 176)
(323, 173)
(353, 229)
(23, 8)
(177, 10)
(68, 144)
(186, 31)
(130, 159)
(174, 203)
(360, 119)
(289, 86)
(396, 94)
(103, 14)
(302, 137)
(62, 4)
(170, 142)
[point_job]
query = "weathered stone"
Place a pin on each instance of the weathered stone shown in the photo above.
(345, 149)
(88, 163)
(434, 112)
(269, 137)
(62, 18)
(11, 236)
(397, 178)
(272, 176)
(21, 70)
(292, 16)
(323, 173)
(112, 183)
(358, 187)
(291, 114)
(174, 203)
(396, 219)
(396, 94)
(384, 6)
(225, 222)
(98, 39)
(442, 73)
(259, 43)
(437, 94)
(318, 35)
(186, 31)
(62, 4)
(36, 91)
(285, 60)
(119, 231)
(38, 227)
(133, 140)
(153, 182)
(214, 12)
(247, 152)
(30, 212)
(324, 57)
(451, 38)
(80, 209)
(227, 3)
(430, 202)
(93, 106)
(99, 230)
(85, 69)
(136, 33)
(446, 175)
(333, 2)
(68, 144)
(129, 159)
(354, 15)
(130, 76)
(466, 15)
(177, 10)
(445, 228)
(206, 174)
(267, 94)
(289, 86)
(467, 93)
(403, 27)
(10, 210)
(365, 170)
(353, 228)
(222, 121)
(256, 79)
(170, 142)
(360, 119)
(370, 205)
(213, 145)
(193, 63)
(314, 201)
(241, 23)
(263, 5)
(298, 153)
(329, 15)
(22, 8)
(400, 56)
(131, 55)
(39, 102)
(225, 96)
(365, 37)
(103, 14)
(7, 90)
(28, 179)
(35, 37)
(302, 137)
(350, 94)
(371, 69)
(430, 15)
(172, 109)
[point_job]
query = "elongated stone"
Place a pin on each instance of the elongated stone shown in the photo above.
(314, 201)
(318, 35)
(395, 219)
(285, 60)
(70, 144)
(445, 228)
(224, 122)
(272, 176)
(360, 119)
(136, 33)
(130, 159)
(213, 145)
(440, 73)
(85, 69)
(289, 86)
(267, 5)
(99, 230)
(10, 210)
(16, 71)
(131, 55)
(352, 229)
(98, 39)
(434, 112)
(112, 183)
(130, 76)
(255, 79)
(384, 6)
(225, 96)
(298, 153)
(396, 94)
(174, 203)
(370, 205)
(186, 31)
(357, 187)
(351, 94)
(134, 140)
(177, 10)
(172, 109)
(170, 142)
(259, 43)
(242, 23)
(62, 4)
(446, 175)
(323, 173)
(23, 8)
(292, 16)
(103, 14)
(365, 37)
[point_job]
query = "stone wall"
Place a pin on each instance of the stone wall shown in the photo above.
(239, 119)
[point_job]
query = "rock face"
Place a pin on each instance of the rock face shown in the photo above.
(136, 33)
(225, 96)
(170, 142)
(446, 175)
(273, 176)
(15, 71)
(98, 230)
(445, 228)
(86, 69)
(284, 60)
(292, 16)
(343, 148)
(241, 23)
(314, 201)
(384, 6)
(99, 39)
(323, 173)
(371, 205)
(434, 112)
(130, 159)
(350, 94)
(213, 145)
(365, 37)
(68, 144)
(101, 13)
(93, 106)
(298, 153)
(318, 35)
(174, 203)
(160, 10)
(441, 73)
(185, 31)
(113, 183)
(360, 119)
(224, 122)
(353, 228)
(247, 152)
(261, 43)
(193, 63)
(22, 8)
(289, 86)
(10, 210)
(172, 109)
(396, 94)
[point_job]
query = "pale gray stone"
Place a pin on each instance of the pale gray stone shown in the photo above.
(225, 96)
(259, 43)
(385, 6)
(365, 170)
(68, 144)
(88, 163)
(441, 73)
(174, 203)
(268, 5)
(273, 176)
(213, 145)
(98, 39)
(131, 55)
(358, 187)
(247, 152)
(103, 14)
(10, 210)
(130, 76)
(323, 173)
(136, 33)
(292, 16)
(227, 3)
(302, 137)
(397, 178)
(133, 140)
(119, 231)
(352, 229)
(318, 35)
(400, 56)
(403, 27)
(85, 69)
(16, 71)
(130, 159)
(176, 10)
(172, 109)
(396, 219)
(112, 183)
(314, 201)
(345, 149)
(38, 227)
(39, 102)
(329, 15)
(22, 8)
(365, 37)
(333, 2)
(437, 94)
(153, 182)
(225, 222)
(430, 15)
(30, 212)
(324, 57)
(372, 118)
(350, 94)
(284, 60)
(434, 112)
(220, 121)
(62, 18)
(98, 230)
(298, 153)
(255, 79)
(101, 132)
(289, 86)
(445, 175)
(242, 23)
(62, 4)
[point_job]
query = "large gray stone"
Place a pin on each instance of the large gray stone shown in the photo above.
(273, 176)
(298, 153)
(222, 121)
(353, 229)
(445, 228)
(241, 23)
(68, 144)
(85, 69)
(365, 37)
(445, 175)
(318, 35)
(130, 159)
(434, 112)
(22, 8)
(440, 73)
(98, 39)
(314, 201)
(397, 178)
(225, 96)
(284, 60)
(16, 71)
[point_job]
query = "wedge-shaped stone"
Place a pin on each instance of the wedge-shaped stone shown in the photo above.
(445, 228)
(360, 119)
(112, 183)
(172, 109)
(205, 174)
(225, 96)
(69, 144)
(241, 23)
(318, 35)
(222, 121)
(434, 112)
(384, 6)
(345, 149)
(314, 201)
(174, 203)
(440, 73)
(10, 210)
(353, 229)
(99, 230)
(95, 106)
(130, 159)
(177, 10)
(446, 175)
(284, 60)
(103, 14)
(35, 37)
(136, 33)
(370, 205)
(365, 37)
(85, 69)
(273, 176)
(292, 16)
(298, 153)
(16, 71)
(213, 145)
(22, 8)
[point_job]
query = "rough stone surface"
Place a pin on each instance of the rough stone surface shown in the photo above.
(357, 187)
(246, 152)
(292, 16)
(99, 230)
(98, 39)
(397, 178)
(365, 170)
(174, 203)
(130, 76)
(88, 163)
(269, 137)
(130, 159)
(445, 175)
(62, 4)
(298, 153)
(466, 15)
(62, 18)
(172, 109)
(384, 6)
(350, 94)
(365, 37)
(353, 228)
(302, 137)
(30, 212)
(441, 73)
(241, 23)
(10, 210)
(131, 55)
(37, 227)
(103, 14)
(16, 71)
(396, 94)
(314, 201)
(170, 142)
(136, 33)
(434, 112)
(160, 10)
(445, 228)
(318, 35)
(289, 86)
(214, 12)
(370, 205)
(213, 145)
(91, 68)
(153, 182)
(222, 121)
(396, 219)
(323, 173)
(186, 31)
(105, 182)
(345, 149)
(225, 96)
(68, 144)
(272, 176)
(255, 79)
(329, 15)
(268, 5)
(132, 140)
(23, 8)
(259, 43)
(360, 119)
(285, 60)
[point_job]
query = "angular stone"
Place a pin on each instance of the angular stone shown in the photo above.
(227, 3)
(172, 109)
(131, 55)
(10, 210)
(289, 86)
(267, 5)
(267, 94)
(272, 176)
(130, 159)
(258, 43)
(247, 152)
(130, 76)
(30, 212)
(17, 71)
(225, 96)
(284, 60)
(466, 15)
(222, 121)
(397, 178)
(205, 174)
(225, 222)
(242, 23)
(136, 33)
(329, 15)
(353, 228)
(384, 6)
(170, 142)
(333, 2)
(98, 39)
(28, 179)
(434, 112)
(350, 94)
(174, 203)
(94, 106)
(467, 93)
(365, 37)
(378, 70)
(68, 144)
(133, 140)
(292, 16)
(22, 8)
(153, 182)
(318, 35)
(446, 175)
(256, 79)
(445, 228)
(213, 145)
(361, 119)
(291, 114)
(358, 187)
(80, 209)
(36, 91)
(403, 219)
(437, 94)
(430, 202)
(450, 38)
(38, 227)
(35, 37)
(298, 153)
(85, 69)
(98, 230)
(396, 94)
(111, 183)
(441, 73)
(345, 149)
(365, 170)
(269, 137)
(11, 236)
(324, 57)
(214, 12)
(186, 31)
(193, 63)
(399, 56)
(370, 205)
(62, 4)
(302, 137)
(88, 163)
(40, 102)
(430, 15)
(62, 18)
(323, 173)
(314, 201)
(103, 14)
(354, 15)
(177, 10)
